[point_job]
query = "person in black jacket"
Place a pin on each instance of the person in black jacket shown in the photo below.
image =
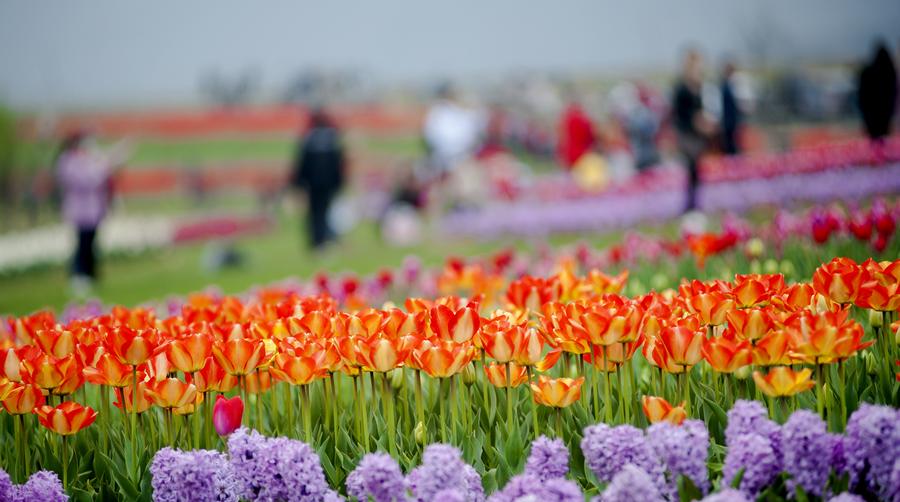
(732, 116)
(319, 171)
(692, 126)
(878, 93)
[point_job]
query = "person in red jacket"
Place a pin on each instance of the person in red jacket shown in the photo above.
(576, 134)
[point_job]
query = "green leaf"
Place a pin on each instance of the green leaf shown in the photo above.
(687, 490)
(736, 482)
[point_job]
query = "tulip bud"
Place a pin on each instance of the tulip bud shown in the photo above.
(755, 247)
(742, 373)
(876, 319)
(755, 267)
(871, 363)
(787, 268)
(419, 433)
(397, 378)
(468, 374)
(771, 266)
(659, 282)
(227, 414)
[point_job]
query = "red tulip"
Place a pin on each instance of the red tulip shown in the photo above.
(227, 414)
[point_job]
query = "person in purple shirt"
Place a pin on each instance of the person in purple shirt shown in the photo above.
(85, 180)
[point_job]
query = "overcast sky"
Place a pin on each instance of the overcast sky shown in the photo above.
(114, 52)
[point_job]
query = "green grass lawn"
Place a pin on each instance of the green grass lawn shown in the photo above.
(154, 275)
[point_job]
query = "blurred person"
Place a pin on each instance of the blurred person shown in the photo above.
(319, 171)
(638, 114)
(451, 131)
(692, 125)
(85, 178)
(878, 93)
(732, 115)
(576, 133)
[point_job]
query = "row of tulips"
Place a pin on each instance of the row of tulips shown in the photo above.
(668, 461)
(562, 351)
(823, 229)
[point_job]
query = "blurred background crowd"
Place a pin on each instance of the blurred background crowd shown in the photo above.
(147, 150)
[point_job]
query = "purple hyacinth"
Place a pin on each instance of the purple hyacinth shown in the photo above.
(846, 497)
(270, 469)
(871, 446)
(750, 417)
(549, 458)
(838, 459)
(808, 452)
(683, 450)
(893, 490)
(200, 475)
(442, 467)
(629, 484)
(7, 488)
(42, 486)
(530, 487)
(608, 449)
(450, 495)
(726, 495)
(332, 496)
(377, 476)
(754, 454)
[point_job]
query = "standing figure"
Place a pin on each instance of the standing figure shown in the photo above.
(319, 171)
(732, 115)
(576, 134)
(85, 180)
(694, 128)
(878, 94)
(451, 132)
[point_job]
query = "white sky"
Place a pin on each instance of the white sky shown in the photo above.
(108, 52)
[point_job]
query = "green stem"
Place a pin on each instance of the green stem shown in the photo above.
(65, 461)
(534, 411)
(357, 408)
(842, 382)
(595, 382)
(420, 408)
(509, 400)
(104, 417)
(289, 408)
(134, 405)
(364, 419)
(454, 409)
(18, 431)
(443, 413)
(388, 402)
(559, 423)
(307, 417)
(607, 391)
(687, 389)
(334, 407)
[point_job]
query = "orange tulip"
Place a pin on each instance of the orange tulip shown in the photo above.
(132, 346)
(443, 358)
(108, 371)
(212, 378)
(67, 418)
(782, 381)
(239, 356)
(771, 349)
(530, 293)
(59, 376)
(55, 341)
(496, 374)
(750, 324)
(727, 354)
(5, 387)
(876, 296)
(556, 392)
(683, 345)
(754, 289)
(711, 307)
(601, 283)
(11, 361)
(825, 337)
(22, 399)
(564, 334)
(383, 354)
(838, 280)
(171, 393)
(657, 409)
(499, 340)
(256, 383)
(459, 326)
(188, 354)
(797, 296)
(296, 370)
(143, 402)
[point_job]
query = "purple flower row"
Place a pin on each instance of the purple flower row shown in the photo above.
(631, 463)
(42, 486)
(613, 211)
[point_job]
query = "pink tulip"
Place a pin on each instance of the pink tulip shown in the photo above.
(227, 414)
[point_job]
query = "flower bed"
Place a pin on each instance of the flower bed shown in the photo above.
(566, 356)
